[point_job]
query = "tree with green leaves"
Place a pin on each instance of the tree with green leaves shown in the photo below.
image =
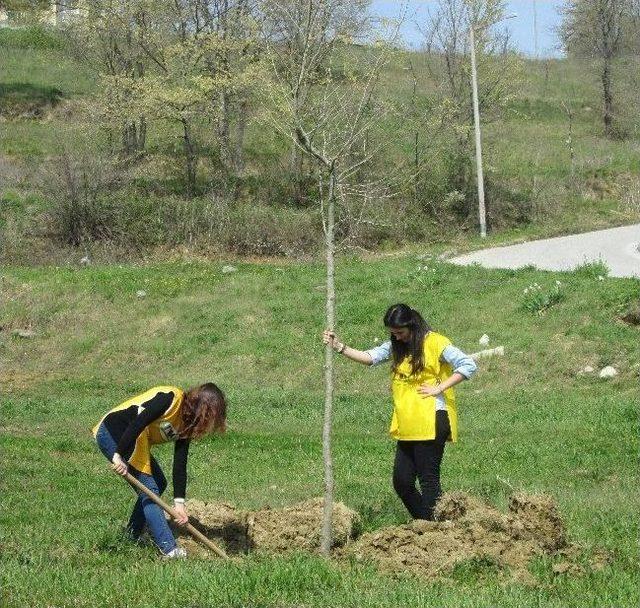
(112, 37)
(171, 64)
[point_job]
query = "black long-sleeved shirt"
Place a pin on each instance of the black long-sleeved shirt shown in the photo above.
(126, 425)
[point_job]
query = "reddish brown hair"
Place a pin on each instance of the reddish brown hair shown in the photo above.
(203, 410)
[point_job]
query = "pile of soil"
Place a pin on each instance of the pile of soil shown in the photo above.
(292, 528)
(467, 529)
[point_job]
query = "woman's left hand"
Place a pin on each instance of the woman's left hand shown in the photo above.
(181, 514)
(426, 390)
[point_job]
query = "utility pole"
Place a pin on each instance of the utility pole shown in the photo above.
(476, 120)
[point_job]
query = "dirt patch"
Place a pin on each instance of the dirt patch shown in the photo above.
(468, 534)
(632, 315)
(293, 528)
(467, 529)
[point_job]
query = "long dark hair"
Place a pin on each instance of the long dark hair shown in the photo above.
(399, 316)
(203, 410)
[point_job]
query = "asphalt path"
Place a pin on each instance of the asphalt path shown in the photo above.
(618, 248)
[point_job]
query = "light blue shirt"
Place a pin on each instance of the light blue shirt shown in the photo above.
(459, 361)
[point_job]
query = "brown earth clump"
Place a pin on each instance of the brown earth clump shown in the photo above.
(535, 517)
(298, 527)
(268, 530)
(467, 529)
(222, 523)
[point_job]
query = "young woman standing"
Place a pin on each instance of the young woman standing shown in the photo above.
(161, 414)
(425, 367)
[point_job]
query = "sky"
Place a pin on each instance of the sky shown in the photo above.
(521, 26)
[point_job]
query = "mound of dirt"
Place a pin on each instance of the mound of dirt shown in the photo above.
(535, 517)
(222, 523)
(467, 529)
(296, 527)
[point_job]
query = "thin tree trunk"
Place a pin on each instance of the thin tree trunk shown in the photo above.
(327, 514)
(142, 134)
(297, 159)
(223, 130)
(126, 138)
(238, 157)
(190, 158)
(607, 97)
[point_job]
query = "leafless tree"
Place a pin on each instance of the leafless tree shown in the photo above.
(321, 99)
(307, 33)
(596, 29)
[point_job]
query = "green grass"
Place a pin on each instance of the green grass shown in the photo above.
(527, 418)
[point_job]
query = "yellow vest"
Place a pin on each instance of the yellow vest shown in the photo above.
(414, 416)
(164, 429)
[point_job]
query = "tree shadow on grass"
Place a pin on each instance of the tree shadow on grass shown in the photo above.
(23, 99)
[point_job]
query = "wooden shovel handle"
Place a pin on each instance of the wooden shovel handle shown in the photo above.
(161, 503)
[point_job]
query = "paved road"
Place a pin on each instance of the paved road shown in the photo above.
(618, 248)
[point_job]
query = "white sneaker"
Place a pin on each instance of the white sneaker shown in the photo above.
(177, 553)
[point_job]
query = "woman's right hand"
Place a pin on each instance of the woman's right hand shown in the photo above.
(330, 338)
(119, 465)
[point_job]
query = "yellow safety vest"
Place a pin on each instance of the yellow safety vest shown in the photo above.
(163, 429)
(414, 416)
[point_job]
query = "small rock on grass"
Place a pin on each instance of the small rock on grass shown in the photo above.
(141, 293)
(228, 269)
(608, 372)
(24, 333)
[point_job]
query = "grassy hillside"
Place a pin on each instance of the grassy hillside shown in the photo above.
(527, 420)
(534, 186)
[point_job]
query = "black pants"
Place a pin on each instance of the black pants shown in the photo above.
(420, 460)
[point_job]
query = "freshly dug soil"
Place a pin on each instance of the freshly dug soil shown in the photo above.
(467, 529)
(298, 527)
(268, 530)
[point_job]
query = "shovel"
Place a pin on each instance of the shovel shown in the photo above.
(193, 531)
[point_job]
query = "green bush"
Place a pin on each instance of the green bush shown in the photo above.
(92, 200)
(269, 231)
(596, 269)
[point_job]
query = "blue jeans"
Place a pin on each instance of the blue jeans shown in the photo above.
(145, 510)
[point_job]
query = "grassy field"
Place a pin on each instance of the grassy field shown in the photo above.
(526, 418)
